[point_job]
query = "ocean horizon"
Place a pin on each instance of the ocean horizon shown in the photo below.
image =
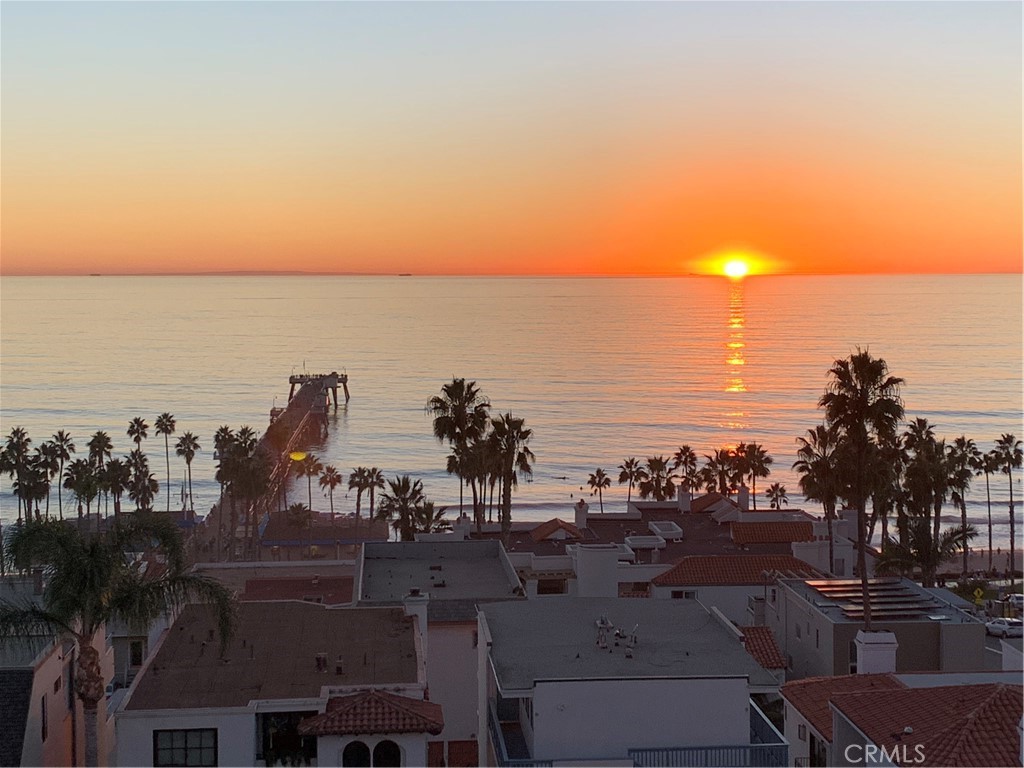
(601, 368)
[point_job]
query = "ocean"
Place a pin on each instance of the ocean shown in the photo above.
(600, 368)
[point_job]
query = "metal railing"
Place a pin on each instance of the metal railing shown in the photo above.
(498, 741)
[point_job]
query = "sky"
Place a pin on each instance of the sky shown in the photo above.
(575, 138)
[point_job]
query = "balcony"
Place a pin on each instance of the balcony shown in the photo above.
(767, 748)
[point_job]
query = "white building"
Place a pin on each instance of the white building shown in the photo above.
(263, 699)
(619, 681)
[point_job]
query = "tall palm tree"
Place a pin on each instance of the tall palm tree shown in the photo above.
(80, 479)
(117, 477)
(223, 440)
(374, 480)
(659, 483)
(777, 495)
(1008, 449)
(819, 475)
(48, 462)
(511, 439)
(309, 468)
(460, 416)
(100, 448)
(721, 469)
(599, 481)
(65, 447)
(331, 479)
(246, 439)
(142, 490)
(165, 425)
(249, 482)
(427, 519)
(633, 473)
(962, 456)
(17, 448)
(398, 505)
(862, 401)
(757, 462)
(987, 464)
(91, 584)
(359, 482)
(138, 430)
(685, 461)
(923, 550)
(187, 447)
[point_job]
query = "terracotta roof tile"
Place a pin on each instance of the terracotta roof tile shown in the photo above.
(772, 532)
(733, 570)
(372, 712)
(811, 696)
(760, 643)
(956, 725)
(544, 530)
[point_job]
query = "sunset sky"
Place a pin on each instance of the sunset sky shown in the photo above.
(510, 138)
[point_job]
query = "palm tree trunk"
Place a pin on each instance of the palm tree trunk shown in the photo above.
(60, 501)
(988, 496)
(829, 518)
(191, 504)
(167, 454)
(506, 505)
(89, 687)
(600, 500)
(330, 493)
(963, 521)
(753, 490)
(1013, 535)
(478, 513)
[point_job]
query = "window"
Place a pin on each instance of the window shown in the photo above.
(42, 717)
(57, 684)
(195, 746)
(355, 754)
(136, 651)
(817, 638)
(798, 630)
(773, 595)
(387, 754)
(801, 732)
(684, 594)
(853, 657)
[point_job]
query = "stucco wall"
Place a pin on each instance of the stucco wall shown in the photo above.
(605, 718)
(236, 733)
(413, 747)
(452, 678)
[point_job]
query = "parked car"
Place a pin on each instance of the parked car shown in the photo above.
(1016, 599)
(1005, 627)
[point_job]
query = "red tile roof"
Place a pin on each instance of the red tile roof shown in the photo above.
(772, 532)
(544, 530)
(956, 725)
(810, 696)
(760, 643)
(702, 503)
(733, 570)
(372, 712)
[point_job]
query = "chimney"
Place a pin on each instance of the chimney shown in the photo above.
(876, 652)
(580, 518)
(415, 604)
(684, 499)
(743, 498)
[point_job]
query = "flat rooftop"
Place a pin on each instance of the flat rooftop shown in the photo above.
(273, 655)
(555, 638)
(236, 576)
(448, 571)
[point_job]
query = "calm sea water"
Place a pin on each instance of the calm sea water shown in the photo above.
(601, 369)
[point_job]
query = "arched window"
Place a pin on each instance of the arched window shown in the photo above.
(356, 754)
(387, 754)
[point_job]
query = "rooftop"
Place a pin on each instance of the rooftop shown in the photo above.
(555, 528)
(556, 638)
(273, 655)
(459, 573)
(957, 725)
(734, 570)
(373, 712)
(329, 591)
(893, 600)
(236, 576)
(811, 695)
(776, 532)
(760, 643)
(282, 532)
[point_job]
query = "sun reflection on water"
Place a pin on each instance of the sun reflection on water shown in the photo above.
(734, 345)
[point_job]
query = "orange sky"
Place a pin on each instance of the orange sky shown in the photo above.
(481, 139)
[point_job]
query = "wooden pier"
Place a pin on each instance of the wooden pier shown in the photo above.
(329, 381)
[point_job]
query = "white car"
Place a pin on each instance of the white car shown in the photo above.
(1016, 599)
(1005, 627)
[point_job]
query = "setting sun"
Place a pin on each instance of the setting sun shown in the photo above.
(735, 268)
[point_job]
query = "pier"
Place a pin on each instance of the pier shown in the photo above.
(329, 382)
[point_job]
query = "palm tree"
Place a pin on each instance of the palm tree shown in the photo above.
(685, 459)
(756, 462)
(80, 479)
(309, 468)
(721, 470)
(987, 464)
(1008, 449)
(816, 465)
(16, 447)
(186, 448)
(91, 584)
(331, 479)
(632, 473)
(65, 447)
(301, 517)
(250, 480)
(143, 489)
(374, 480)
(427, 519)
(138, 430)
(923, 550)
(511, 442)
(358, 481)
(777, 495)
(460, 415)
(399, 505)
(117, 477)
(659, 481)
(961, 455)
(246, 439)
(165, 426)
(48, 462)
(862, 401)
(599, 481)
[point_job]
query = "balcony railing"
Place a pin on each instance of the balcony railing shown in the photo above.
(521, 758)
